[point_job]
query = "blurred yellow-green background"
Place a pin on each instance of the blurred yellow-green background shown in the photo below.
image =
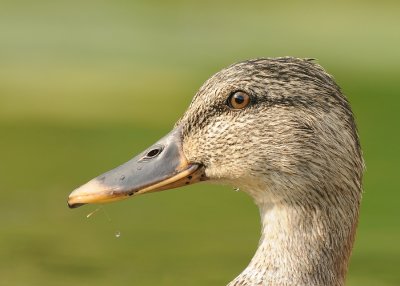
(85, 85)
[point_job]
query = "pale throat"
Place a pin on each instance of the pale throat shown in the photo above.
(299, 245)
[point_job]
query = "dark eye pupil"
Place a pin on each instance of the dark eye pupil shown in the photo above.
(239, 99)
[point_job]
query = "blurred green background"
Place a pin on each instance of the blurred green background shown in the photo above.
(85, 85)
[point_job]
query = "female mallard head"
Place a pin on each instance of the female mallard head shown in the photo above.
(281, 130)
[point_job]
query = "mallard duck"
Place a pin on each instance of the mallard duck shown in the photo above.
(281, 130)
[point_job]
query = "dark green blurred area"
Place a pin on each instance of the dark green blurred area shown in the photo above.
(86, 85)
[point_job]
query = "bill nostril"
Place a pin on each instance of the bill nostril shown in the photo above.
(154, 152)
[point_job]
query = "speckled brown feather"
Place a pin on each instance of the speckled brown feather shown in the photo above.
(295, 150)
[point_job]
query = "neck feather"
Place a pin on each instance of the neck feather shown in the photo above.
(302, 244)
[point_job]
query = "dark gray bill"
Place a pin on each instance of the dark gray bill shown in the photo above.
(162, 166)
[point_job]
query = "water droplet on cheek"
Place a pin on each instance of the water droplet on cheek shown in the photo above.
(118, 234)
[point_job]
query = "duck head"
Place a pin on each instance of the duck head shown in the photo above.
(268, 126)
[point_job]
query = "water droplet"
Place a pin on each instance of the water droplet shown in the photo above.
(122, 177)
(236, 189)
(92, 213)
(117, 234)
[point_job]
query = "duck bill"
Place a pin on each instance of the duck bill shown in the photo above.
(162, 166)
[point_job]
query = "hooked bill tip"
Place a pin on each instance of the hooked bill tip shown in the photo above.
(74, 206)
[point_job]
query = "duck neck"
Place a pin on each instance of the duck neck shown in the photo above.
(302, 245)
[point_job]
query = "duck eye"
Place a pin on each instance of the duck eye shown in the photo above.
(238, 100)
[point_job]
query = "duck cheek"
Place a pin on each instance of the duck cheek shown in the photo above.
(222, 172)
(215, 174)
